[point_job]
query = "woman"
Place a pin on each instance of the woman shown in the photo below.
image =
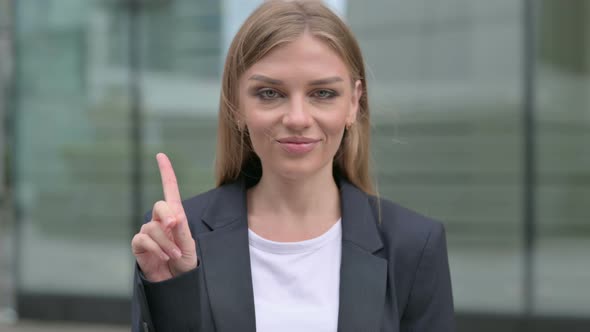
(293, 238)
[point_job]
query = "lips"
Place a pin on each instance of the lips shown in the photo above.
(297, 140)
(298, 145)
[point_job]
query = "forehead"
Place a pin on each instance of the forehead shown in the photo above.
(307, 56)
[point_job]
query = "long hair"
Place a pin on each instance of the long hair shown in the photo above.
(272, 24)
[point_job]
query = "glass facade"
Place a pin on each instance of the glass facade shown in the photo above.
(448, 136)
(7, 240)
(71, 148)
(562, 136)
(481, 120)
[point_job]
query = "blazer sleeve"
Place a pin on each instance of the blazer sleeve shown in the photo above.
(170, 305)
(430, 305)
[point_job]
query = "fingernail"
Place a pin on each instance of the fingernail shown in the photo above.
(165, 257)
(176, 253)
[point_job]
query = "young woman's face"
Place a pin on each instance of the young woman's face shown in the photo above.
(296, 103)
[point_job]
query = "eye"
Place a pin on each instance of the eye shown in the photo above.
(325, 94)
(268, 94)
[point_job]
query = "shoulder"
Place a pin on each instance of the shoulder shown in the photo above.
(414, 244)
(394, 216)
(195, 206)
(404, 230)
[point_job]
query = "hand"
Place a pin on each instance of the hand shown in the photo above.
(164, 247)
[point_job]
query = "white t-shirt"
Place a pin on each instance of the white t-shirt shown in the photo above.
(296, 284)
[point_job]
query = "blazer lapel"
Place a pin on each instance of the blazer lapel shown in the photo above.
(226, 250)
(362, 274)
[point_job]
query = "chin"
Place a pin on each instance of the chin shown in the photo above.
(298, 170)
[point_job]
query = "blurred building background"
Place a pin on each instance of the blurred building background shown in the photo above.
(481, 114)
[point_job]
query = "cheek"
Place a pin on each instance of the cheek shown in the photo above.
(332, 124)
(260, 129)
(333, 129)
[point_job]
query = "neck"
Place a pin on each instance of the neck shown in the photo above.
(303, 200)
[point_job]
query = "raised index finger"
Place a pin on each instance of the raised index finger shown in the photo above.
(169, 183)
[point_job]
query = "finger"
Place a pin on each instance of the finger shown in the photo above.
(169, 183)
(183, 238)
(142, 244)
(156, 233)
(162, 212)
(181, 231)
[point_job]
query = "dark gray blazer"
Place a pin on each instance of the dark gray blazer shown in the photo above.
(394, 275)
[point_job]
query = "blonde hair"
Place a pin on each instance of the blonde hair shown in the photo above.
(272, 24)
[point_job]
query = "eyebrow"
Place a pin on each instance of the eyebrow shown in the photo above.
(322, 81)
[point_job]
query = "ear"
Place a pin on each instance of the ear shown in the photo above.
(357, 92)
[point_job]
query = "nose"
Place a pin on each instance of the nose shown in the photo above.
(297, 115)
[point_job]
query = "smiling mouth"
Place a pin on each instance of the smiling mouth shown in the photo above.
(298, 145)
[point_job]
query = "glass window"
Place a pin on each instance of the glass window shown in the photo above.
(180, 84)
(73, 149)
(445, 85)
(6, 220)
(563, 132)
